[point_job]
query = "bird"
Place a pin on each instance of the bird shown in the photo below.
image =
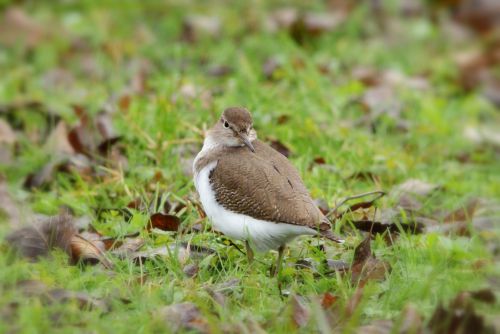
(251, 192)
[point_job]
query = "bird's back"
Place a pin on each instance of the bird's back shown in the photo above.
(264, 185)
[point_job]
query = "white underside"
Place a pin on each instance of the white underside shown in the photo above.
(262, 235)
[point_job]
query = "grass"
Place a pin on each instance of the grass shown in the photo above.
(426, 269)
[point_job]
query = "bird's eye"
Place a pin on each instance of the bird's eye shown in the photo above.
(226, 124)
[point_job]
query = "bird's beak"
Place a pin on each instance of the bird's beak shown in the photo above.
(246, 141)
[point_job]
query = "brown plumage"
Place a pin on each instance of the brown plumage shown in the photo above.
(266, 186)
(248, 178)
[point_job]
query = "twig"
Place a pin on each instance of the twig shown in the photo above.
(379, 194)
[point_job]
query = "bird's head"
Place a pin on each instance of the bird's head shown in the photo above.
(233, 129)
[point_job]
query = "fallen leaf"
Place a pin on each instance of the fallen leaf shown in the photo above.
(410, 321)
(373, 226)
(464, 214)
(183, 317)
(417, 187)
(320, 22)
(195, 27)
(269, 68)
(365, 266)
(280, 147)
(337, 265)
(104, 125)
(282, 18)
(381, 101)
(408, 202)
(87, 251)
(125, 248)
(481, 16)
(221, 291)
(57, 142)
(459, 317)
(300, 313)
(491, 91)
(219, 71)
(283, 119)
(304, 26)
(7, 135)
(77, 163)
(483, 135)
(484, 295)
(164, 222)
(328, 299)
(39, 239)
(18, 27)
(190, 270)
(322, 205)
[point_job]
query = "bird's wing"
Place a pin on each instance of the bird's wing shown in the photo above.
(265, 186)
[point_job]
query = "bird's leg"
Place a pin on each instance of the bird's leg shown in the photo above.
(277, 269)
(249, 251)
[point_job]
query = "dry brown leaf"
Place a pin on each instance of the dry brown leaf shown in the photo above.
(195, 27)
(365, 266)
(270, 66)
(300, 313)
(280, 147)
(18, 27)
(283, 119)
(190, 270)
(164, 222)
(322, 205)
(219, 71)
(183, 317)
(328, 299)
(40, 238)
(417, 187)
(57, 142)
(483, 135)
(221, 291)
(89, 251)
(282, 18)
(77, 163)
(484, 295)
(480, 15)
(491, 91)
(124, 248)
(463, 214)
(459, 317)
(410, 321)
(337, 265)
(7, 135)
(321, 22)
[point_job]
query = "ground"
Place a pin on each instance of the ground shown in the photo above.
(359, 100)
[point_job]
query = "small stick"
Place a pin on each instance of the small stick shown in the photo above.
(379, 194)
